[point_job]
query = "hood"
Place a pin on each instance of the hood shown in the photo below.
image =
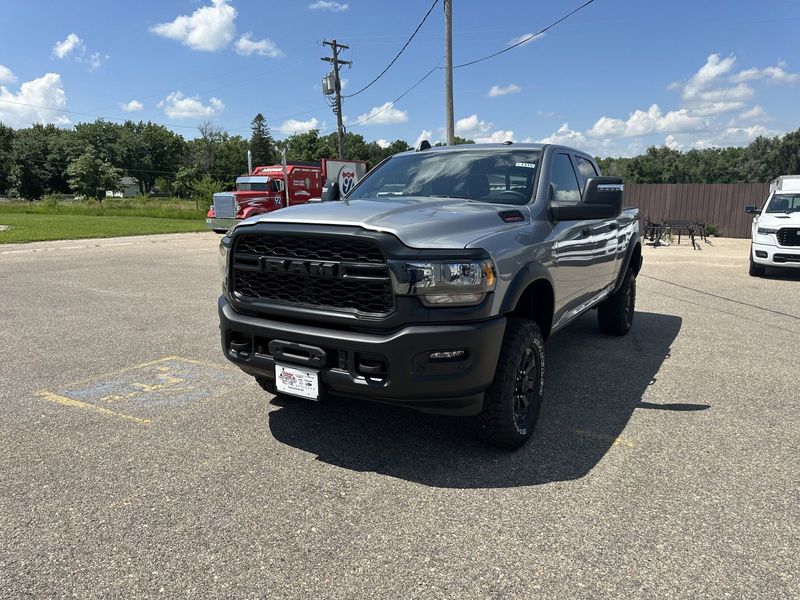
(418, 222)
(778, 220)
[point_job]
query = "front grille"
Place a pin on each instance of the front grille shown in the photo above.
(786, 258)
(789, 236)
(286, 269)
(224, 206)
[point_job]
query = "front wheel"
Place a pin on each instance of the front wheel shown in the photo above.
(615, 313)
(756, 270)
(513, 401)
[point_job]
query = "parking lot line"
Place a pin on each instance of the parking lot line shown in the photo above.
(64, 401)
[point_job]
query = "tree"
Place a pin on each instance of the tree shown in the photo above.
(6, 157)
(38, 161)
(92, 177)
(261, 143)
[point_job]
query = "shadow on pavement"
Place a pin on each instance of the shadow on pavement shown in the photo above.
(593, 385)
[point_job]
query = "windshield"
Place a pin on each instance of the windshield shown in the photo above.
(784, 203)
(269, 186)
(501, 176)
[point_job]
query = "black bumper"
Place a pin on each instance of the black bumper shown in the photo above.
(389, 367)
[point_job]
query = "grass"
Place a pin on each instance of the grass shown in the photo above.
(141, 206)
(35, 227)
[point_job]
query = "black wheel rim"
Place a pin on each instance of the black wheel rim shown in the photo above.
(526, 386)
(629, 305)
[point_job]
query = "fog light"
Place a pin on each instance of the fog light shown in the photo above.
(761, 254)
(447, 354)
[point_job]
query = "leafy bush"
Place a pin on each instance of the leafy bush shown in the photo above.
(711, 230)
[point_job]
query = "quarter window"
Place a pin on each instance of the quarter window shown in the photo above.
(563, 178)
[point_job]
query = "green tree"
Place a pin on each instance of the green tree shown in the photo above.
(92, 177)
(261, 143)
(6, 157)
(38, 161)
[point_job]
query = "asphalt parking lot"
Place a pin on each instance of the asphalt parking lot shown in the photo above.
(136, 462)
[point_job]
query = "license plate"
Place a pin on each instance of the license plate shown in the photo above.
(297, 382)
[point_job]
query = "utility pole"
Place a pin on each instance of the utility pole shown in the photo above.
(337, 88)
(448, 71)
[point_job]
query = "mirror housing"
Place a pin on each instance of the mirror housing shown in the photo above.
(752, 210)
(330, 192)
(602, 199)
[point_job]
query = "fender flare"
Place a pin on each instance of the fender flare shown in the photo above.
(632, 245)
(531, 272)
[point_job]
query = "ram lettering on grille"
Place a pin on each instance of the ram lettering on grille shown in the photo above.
(334, 273)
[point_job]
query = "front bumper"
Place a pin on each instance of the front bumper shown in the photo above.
(410, 379)
(217, 223)
(776, 256)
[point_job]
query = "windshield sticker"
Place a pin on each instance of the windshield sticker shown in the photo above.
(526, 165)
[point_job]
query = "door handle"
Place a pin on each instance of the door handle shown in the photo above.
(586, 232)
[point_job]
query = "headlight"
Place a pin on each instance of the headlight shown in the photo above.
(222, 260)
(766, 230)
(444, 282)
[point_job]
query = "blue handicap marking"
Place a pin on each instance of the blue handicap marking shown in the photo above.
(148, 389)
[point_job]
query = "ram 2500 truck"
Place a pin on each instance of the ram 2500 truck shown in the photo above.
(435, 283)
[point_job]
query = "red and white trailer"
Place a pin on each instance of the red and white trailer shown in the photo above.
(265, 189)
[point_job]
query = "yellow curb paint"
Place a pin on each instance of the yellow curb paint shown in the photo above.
(64, 401)
(603, 437)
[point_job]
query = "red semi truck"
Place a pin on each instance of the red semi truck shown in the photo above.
(264, 189)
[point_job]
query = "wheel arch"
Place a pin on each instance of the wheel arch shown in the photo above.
(531, 295)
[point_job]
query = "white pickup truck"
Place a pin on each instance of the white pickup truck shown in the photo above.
(776, 227)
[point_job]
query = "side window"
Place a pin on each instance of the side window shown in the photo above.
(563, 178)
(585, 168)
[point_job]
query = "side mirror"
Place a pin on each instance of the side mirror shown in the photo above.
(602, 199)
(330, 192)
(752, 210)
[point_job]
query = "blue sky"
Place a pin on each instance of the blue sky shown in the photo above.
(615, 78)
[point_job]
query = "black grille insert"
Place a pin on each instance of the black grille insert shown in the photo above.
(789, 236)
(341, 273)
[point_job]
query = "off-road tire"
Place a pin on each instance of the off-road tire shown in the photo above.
(504, 422)
(756, 270)
(615, 313)
(268, 385)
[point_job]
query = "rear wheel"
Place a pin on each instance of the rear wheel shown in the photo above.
(756, 270)
(514, 399)
(615, 314)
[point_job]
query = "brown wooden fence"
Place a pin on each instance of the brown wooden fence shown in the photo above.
(720, 204)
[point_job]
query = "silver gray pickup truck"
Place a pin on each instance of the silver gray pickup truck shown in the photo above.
(434, 283)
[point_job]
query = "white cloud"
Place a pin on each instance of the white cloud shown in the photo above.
(671, 143)
(294, 126)
(567, 136)
(733, 136)
(6, 75)
(209, 28)
(65, 47)
(511, 88)
(652, 120)
(471, 125)
(425, 134)
(496, 137)
(776, 74)
(74, 47)
(246, 46)
(383, 143)
(331, 6)
(132, 106)
(385, 114)
(752, 115)
(525, 36)
(23, 108)
(179, 106)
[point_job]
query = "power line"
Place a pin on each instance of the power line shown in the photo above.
(396, 100)
(435, 2)
(527, 39)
